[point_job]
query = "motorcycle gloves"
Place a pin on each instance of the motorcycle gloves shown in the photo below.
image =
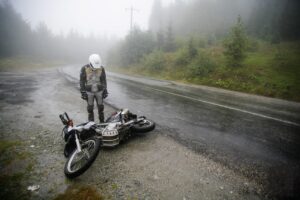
(104, 94)
(84, 95)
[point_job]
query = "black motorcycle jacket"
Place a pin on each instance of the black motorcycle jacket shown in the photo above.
(91, 79)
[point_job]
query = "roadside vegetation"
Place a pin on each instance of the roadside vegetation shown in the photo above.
(257, 53)
(16, 164)
(271, 70)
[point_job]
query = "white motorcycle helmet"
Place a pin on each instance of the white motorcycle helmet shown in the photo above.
(95, 61)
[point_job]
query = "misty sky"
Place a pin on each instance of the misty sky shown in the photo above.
(100, 17)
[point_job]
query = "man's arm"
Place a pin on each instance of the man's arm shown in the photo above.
(82, 79)
(103, 79)
(104, 83)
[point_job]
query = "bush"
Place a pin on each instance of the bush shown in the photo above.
(154, 61)
(202, 65)
(182, 56)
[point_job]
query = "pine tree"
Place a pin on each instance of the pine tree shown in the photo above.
(160, 39)
(192, 51)
(235, 44)
(170, 43)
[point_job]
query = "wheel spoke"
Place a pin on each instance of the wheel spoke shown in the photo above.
(76, 162)
(86, 153)
(80, 159)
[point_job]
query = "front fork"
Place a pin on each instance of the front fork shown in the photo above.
(77, 143)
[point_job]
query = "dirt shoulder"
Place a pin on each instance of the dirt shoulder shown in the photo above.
(153, 166)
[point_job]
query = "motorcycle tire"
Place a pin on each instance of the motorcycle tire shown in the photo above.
(89, 151)
(69, 148)
(144, 126)
(66, 152)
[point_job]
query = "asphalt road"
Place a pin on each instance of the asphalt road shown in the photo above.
(255, 136)
(148, 166)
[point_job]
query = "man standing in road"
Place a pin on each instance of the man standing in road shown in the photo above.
(93, 86)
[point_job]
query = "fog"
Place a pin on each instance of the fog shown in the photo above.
(70, 30)
(99, 17)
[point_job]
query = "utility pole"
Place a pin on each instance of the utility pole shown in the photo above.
(131, 9)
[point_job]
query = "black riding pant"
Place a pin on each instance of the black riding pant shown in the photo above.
(92, 96)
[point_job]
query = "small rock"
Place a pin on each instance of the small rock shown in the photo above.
(231, 192)
(222, 188)
(33, 188)
(32, 146)
(155, 177)
(32, 138)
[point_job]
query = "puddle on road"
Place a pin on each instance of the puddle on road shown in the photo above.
(16, 90)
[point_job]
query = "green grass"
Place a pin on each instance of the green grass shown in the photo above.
(9, 152)
(271, 70)
(11, 187)
(11, 182)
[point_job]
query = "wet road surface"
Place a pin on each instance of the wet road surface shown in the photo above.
(256, 136)
(150, 166)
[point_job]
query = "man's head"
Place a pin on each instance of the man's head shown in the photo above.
(95, 61)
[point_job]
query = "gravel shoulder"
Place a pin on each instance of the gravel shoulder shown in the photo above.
(153, 166)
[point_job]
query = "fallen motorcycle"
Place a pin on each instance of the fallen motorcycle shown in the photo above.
(84, 141)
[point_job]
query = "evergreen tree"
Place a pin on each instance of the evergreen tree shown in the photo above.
(235, 44)
(156, 17)
(15, 33)
(170, 44)
(192, 51)
(136, 45)
(160, 39)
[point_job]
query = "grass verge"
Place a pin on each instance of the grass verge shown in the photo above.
(14, 170)
(271, 70)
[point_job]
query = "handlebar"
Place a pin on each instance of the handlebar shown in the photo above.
(67, 116)
(64, 118)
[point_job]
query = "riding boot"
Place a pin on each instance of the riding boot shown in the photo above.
(101, 113)
(90, 110)
(91, 117)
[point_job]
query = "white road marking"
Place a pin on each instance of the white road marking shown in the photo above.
(228, 107)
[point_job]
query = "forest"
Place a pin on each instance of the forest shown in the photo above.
(19, 39)
(244, 45)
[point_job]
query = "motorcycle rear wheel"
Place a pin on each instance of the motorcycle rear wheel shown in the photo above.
(79, 162)
(144, 126)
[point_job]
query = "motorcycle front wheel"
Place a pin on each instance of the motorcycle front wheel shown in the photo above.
(79, 162)
(143, 126)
